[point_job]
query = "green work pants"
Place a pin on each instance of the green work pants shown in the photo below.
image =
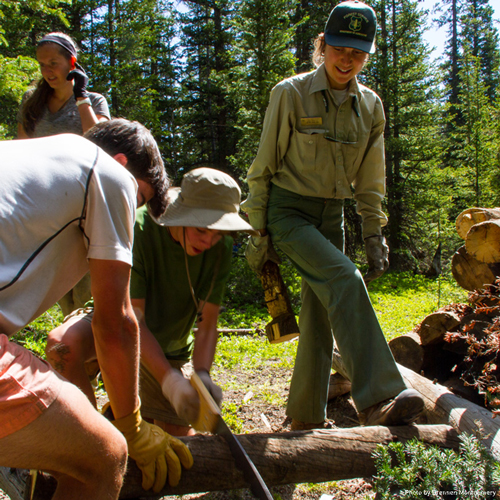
(310, 231)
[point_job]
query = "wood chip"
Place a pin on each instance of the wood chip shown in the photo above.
(266, 421)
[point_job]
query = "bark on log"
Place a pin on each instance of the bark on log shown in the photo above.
(444, 407)
(434, 327)
(286, 458)
(408, 351)
(339, 386)
(472, 216)
(470, 273)
(483, 241)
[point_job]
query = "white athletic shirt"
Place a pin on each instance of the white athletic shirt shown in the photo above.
(43, 188)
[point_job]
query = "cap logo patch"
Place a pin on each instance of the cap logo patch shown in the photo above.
(355, 24)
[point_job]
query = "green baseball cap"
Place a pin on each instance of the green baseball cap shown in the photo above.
(352, 24)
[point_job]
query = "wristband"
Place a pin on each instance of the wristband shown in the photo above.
(84, 101)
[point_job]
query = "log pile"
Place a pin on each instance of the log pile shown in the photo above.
(458, 345)
(477, 262)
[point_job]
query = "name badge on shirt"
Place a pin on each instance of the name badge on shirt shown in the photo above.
(313, 120)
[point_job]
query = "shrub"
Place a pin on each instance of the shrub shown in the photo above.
(428, 472)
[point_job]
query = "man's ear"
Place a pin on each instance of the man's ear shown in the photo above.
(121, 159)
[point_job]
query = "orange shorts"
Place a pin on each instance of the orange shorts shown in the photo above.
(28, 386)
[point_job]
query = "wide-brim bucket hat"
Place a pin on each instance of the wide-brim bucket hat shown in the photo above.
(207, 198)
(352, 24)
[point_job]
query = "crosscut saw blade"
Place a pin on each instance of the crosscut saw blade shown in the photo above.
(210, 420)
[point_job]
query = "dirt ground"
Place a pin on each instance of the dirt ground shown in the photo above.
(255, 413)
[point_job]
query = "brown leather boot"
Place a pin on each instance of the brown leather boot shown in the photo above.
(404, 409)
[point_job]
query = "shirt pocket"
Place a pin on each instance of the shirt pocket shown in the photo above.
(308, 151)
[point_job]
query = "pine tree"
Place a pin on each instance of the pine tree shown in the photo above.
(263, 53)
(403, 77)
(208, 115)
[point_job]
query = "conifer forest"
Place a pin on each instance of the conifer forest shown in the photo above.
(198, 73)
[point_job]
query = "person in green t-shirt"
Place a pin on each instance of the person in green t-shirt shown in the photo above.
(181, 264)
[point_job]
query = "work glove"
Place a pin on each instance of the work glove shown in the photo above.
(214, 390)
(155, 452)
(81, 80)
(377, 255)
(258, 251)
(182, 395)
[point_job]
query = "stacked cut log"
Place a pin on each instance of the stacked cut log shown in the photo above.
(477, 262)
(458, 346)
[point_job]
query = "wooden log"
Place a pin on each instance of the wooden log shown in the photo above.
(472, 216)
(444, 407)
(408, 351)
(483, 241)
(434, 326)
(339, 386)
(285, 458)
(470, 273)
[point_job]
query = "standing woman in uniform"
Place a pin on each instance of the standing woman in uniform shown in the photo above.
(322, 142)
(60, 103)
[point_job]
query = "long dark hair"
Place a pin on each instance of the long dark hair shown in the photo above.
(35, 104)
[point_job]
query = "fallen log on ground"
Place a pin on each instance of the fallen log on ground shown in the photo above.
(444, 407)
(284, 458)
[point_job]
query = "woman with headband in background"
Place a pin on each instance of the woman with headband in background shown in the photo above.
(60, 103)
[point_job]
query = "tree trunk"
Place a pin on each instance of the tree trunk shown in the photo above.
(444, 407)
(483, 241)
(470, 273)
(286, 458)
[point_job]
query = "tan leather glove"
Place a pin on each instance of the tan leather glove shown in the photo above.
(258, 251)
(182, 395)
(377, 255)
(155, 452)
(214, 390)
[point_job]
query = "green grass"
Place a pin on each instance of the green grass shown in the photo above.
(401, 301)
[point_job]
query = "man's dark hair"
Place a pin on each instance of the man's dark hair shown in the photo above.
(144, 161)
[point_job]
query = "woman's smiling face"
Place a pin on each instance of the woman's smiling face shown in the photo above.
(54, 66)
(342, 64)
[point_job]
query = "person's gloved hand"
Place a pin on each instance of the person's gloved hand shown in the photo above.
(155, 452)
(377, 255)
(258, 251)
(81, 80)
(182, 395)
(214, 390)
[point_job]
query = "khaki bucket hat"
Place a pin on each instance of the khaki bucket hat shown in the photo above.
(207, 198)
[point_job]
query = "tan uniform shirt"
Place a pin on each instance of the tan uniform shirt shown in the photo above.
(314, 147)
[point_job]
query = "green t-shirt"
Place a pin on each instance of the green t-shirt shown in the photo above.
(159, 276)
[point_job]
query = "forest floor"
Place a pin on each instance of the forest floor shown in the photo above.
(256, 414)
(253, 413)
